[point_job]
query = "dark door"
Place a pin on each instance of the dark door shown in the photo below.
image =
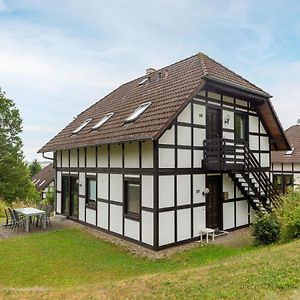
(214, 202)
(213, 123)
(70, 197)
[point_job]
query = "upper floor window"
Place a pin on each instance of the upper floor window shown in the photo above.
(240, 127)
(87, 121)
(103, 120)
(91, 192)
(132, 197)
(138, 112)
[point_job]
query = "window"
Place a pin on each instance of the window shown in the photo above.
(87, 121)
(37, 181)
(132, 197)
(144, 81)
(240, 127)
(282, 182)
(42, 183)
(91, 192)
(138, 112)
(290, 152)
(103, 120)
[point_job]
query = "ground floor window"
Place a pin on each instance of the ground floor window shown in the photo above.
(282, 182)
(91, 192)
(132, 197)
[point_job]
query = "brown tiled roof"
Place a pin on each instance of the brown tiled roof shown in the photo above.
(178, 84)
(293, 136)
(46, 174)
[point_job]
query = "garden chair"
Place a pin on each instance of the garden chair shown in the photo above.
(8, 219)
(48, 210)
(12, 217)
(40, 206)
(19, 222)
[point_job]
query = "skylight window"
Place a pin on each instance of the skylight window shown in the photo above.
(87, 121)
(138, 112)
(102, 121)
(34, 180)
(37, 181)
(290, 152)
(42, 183)
(144, 81)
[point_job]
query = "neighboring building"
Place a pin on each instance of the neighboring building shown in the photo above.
(286, 164)
(181, 148)
(44, 180)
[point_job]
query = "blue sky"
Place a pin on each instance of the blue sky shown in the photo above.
(59, 57)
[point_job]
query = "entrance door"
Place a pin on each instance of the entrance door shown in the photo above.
(70, 197)
(214, 202)
(213, 123)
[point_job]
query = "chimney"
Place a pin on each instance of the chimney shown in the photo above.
(149, 71)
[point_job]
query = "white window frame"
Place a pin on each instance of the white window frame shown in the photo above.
(85, 123)
(135, 115)
(102, 121)
(290, 152)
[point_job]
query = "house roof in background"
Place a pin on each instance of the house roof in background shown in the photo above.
(168, 89)
(293, 136)
(43, 178)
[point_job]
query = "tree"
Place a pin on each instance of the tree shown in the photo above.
(34, 168)
(15, 183)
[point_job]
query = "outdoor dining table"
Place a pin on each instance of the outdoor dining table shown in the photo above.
(28, 212)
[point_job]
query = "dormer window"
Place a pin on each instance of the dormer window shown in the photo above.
(102, 121)
(290, 152)
(87, 121)
(138, 112)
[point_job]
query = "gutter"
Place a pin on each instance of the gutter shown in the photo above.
(44, 156)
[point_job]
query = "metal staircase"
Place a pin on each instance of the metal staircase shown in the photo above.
(240, 163)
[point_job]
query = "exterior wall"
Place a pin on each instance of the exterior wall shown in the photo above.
(46, 189)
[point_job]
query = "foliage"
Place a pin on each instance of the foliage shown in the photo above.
(34, 167)
(15, 183)
(265, 229)
(288, 214)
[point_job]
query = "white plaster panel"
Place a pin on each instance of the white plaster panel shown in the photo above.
(185, 115)
(296, 167)
(102, 215)
(166, 191)
(287, 167)
(147, 154)
(199, 136)
(103, 156)
(58, 181)
(253, 124)
(131, 155)
(168, 137)
(91, 157)
(296, 179)
(147, 191)
(81, 183)
(166, 228)
(198, 157)
(262, 128)
(214, 95)
(184, 158)
(183, 224)
(147, 227)
(65, 158)
(73, 158)
(58, 158)
(198, 188)
(252, 215)
(239, 193)
(228, 100)
(116, 218)
(199, 217)
(265, 159)
(228, 186)
(91, 216)
(103, 186)
(199, 114)
(228, 135)
(253, 142)
(116, 156)
(202, 93)
(81, 158)
(81, 207)
(132, 229)
(228, 215)
(241, 102)
(58, 202)
(184, 136)
(241, 213)
(166, 158)
(264, 143)
(228, 115)
(116, 187)
(183, 189)
(277, 166)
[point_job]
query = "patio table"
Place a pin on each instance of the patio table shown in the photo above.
(30, 212)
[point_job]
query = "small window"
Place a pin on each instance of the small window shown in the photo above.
(132, 197)
(37, 181)
(87, 121)
(102, 121)
(145, 80)
(91, 192)
(138, 112)
(42, 183)
(240, 127)
(283, 182)
(34, 180)
(290, 152)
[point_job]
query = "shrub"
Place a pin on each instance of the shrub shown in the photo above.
(265, 229)
(288, 214)
(50, 197)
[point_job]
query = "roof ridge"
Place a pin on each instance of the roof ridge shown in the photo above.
(202, 63)
(208, 57)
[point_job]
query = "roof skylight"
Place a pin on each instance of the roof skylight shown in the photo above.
(103, 120)
(42, 183)
(87, 121)
(37, 181)
(138, 112)
(143, 81)
(290, 152)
